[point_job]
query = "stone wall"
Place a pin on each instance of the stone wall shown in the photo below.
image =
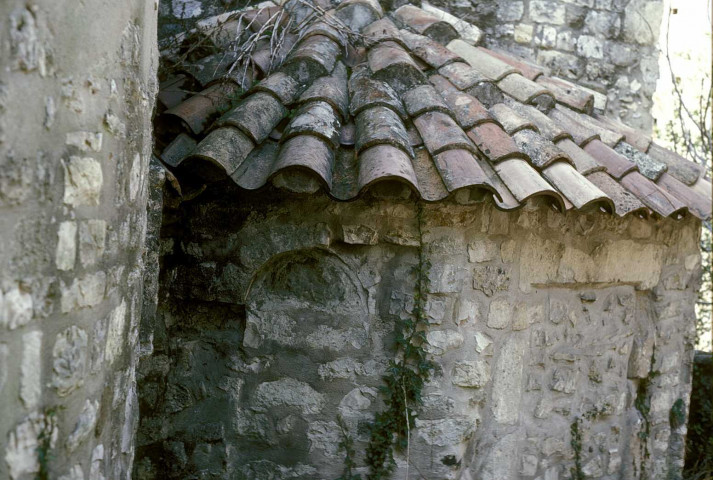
(610, 46)
(562, 343)
(77, 88)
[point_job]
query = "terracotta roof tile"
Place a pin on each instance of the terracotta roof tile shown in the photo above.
(652, 196)
(391, 63)
(426, 24)
(364, 117)
(488, 65)
(576, 188)
(309, 153)
(583, 161)
(527, 91)
(181, 146)
(224, 148)
(616, 164)
(699, 205)
(440, 132)
(366, 92)
(540, 151)
(460, 168)
(422, 99)
(381, 126)
(568, 94)
(255, 116)
(547, 127)
(281, 85)
(625, 202)
(524, 182)
(650, 168)
(201, 109)
(383, 30)
(683, 170)
(331, 89)
(315, 118)
(581, 134)
(356, 14)
(385, 162)
(511, 121)
(528, 70)
(494, 142)
(431, 52)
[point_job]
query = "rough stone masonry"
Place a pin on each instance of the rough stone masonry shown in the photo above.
(277, 313)
(77, 88)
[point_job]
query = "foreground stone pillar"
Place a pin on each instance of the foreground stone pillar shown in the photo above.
(77, 85)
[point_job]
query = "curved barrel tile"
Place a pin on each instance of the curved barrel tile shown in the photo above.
(617, 165)
(385, 162)
(379, 126)
(685, 171)
(625, 202)
(494, 143)
(576, 188)
(309, 153)
(649, 167)
(540, 151)
(256, 116)
(699, 205)
(652, 196)
(491, 67)
(461, 169)
(224, 149)
(511, 121)
(583, 161)
(524, 182)
(315, 118)
(440, 132)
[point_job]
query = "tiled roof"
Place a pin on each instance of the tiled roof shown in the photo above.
(413, 102)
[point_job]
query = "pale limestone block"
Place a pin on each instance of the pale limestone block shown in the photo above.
(83, 181)
(75, 473)
(21, 450)
(87, 291)
(66, 245)
(470, 374)
(439, 342)
(359, 235)
(85, 141)
(115, 335)
(85, 425)
(482, 342)
(17, 308)
(135, 177)
(500, 313)
(482, 250)
(31, 369)
(507, 381)
(92, 235)
(288, 392)
(324, 437)
(527, 314)
(523, 33)
(447, 431)
(69, 360)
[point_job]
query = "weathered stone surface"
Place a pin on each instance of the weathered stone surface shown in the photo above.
(87, 291)
(291, 393)
(69, 360)
(507, 382)
(445, 432)
(85, 425)
(360, 235)
(115, 333)
(16, 308)
(92, 235)
(83, 181)
(324, 437)
(490, 279)
(23, 442)
(30, 369)
(482, 342)
(66, 245)
(545, 11)
(500, 313)
(439, 342)
(482, 250)
(640, 20)
(526, 314)
(471, 374)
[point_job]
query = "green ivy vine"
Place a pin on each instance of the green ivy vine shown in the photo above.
(403, 382)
